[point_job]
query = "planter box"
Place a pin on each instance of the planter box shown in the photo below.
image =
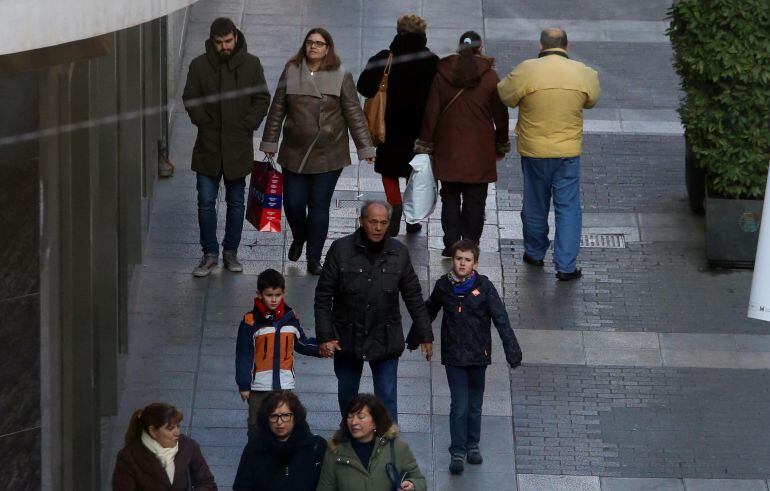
(732, 231)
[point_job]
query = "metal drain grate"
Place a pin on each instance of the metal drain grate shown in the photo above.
(347, 203)
(607, 241)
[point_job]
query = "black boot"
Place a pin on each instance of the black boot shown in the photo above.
(395, 220)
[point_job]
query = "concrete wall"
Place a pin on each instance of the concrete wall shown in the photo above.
(60, 21)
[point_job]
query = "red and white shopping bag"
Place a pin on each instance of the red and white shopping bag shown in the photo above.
(263, 208)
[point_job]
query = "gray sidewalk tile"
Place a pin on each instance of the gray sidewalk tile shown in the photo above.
(620, 340)
(699, 342)
(532, 482)
(641, 484)
(700, 358)
(540, 346)
(624, 357)
(724, 484)
(474, 481)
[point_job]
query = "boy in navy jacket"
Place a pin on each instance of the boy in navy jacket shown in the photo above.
(267, 339)
(471, 303)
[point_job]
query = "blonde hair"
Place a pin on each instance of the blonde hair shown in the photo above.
(411, 23)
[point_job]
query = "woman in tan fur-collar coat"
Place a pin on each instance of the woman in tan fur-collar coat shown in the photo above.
(363, 457)
(316, 105)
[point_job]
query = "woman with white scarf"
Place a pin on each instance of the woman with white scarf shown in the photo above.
(158, 457)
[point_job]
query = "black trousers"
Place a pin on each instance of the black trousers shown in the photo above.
(462, 211)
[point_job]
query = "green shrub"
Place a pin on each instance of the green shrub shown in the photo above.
(722, 55)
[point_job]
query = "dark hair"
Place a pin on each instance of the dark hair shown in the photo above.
(465, 73)
(157, 415)
(270, 278)
(553, 37)
(382, 421)
(466, 245)
(364, 214)
(330, 62)
(221, 27)
(275, 399)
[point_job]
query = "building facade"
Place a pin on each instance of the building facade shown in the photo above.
(84, 119)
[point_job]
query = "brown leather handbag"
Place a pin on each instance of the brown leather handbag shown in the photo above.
(374, 108)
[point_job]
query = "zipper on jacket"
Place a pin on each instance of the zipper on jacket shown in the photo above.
(264, 352)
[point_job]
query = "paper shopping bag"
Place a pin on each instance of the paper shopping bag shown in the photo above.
(263, 208)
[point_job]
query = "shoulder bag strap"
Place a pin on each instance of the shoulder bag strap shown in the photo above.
(452, 100)
(390, 61)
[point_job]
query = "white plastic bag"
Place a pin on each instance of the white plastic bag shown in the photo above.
(421, 191)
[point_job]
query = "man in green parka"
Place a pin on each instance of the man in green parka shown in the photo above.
(226, 97)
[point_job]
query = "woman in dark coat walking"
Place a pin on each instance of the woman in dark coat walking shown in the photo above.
(411, 75)
(283, 454)
(157, 457)
(465, 127)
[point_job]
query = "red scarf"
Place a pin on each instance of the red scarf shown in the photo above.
(267, 314)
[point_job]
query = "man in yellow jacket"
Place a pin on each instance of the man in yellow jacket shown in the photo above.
(551, 92)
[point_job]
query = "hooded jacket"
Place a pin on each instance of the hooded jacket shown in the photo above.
(315, 112)
(409, 82)
(551, 93)
(343, 471)
(138, 469)
(264, 350)
(271, 465)
(466, 139)
(226, 123)
(466, 334)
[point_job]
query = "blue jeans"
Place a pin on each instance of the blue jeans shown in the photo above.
(306, 201)
(385, 373)
(208, 189)
(466, 388)
(544, 178)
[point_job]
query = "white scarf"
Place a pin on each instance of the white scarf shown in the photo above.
(165, 455)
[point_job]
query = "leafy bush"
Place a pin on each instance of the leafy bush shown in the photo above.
(722, 54)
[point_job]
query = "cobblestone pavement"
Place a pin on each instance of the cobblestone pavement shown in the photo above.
(635, 377)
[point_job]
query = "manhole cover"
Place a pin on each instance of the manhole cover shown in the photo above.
(608, 241)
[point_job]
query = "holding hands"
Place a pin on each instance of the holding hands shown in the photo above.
(327, 349)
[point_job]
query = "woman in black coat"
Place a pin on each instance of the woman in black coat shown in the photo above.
(283, 454)
(411, 75)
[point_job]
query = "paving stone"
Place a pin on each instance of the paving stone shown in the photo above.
(720, 484)
(531, 482)
(640, 422)
(641, 484)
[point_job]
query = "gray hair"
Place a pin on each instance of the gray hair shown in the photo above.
(371, 202)
(553, 37)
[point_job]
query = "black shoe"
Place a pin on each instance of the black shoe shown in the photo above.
(447, 252)
(456, 465)
(474, 456)
(569, 276)
(532, 262)
(395, 220)
(295, 249)
(314, 267)
(413, 228)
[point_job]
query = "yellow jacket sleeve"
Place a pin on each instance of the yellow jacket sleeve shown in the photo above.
(511, 88)
(592, 82)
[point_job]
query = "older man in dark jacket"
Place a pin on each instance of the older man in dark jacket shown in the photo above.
(357, 310)
(226, 97)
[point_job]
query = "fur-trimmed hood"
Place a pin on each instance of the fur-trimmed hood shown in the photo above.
(336, 441)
